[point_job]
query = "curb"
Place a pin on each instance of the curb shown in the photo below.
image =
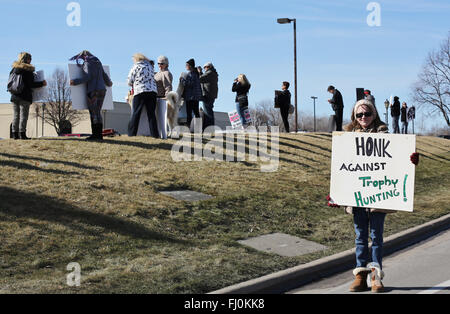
(297, 276)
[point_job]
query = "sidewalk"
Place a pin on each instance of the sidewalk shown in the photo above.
(295, 277)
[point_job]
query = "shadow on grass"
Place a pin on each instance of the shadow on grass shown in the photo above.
(109, 141)
(21, 204)
(67, 163)
(24, 166)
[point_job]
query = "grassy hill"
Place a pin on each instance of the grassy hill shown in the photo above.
(97, 204)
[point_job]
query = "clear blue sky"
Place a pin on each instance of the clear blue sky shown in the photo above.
(335, 44)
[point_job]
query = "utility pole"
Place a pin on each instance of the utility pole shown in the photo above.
(314, 99)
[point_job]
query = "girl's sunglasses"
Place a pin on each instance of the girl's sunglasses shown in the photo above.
(366, 114)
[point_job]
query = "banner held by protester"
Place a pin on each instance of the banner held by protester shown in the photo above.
(373, 170)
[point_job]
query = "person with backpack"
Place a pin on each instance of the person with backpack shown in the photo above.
(284, 102)
(97, 80)
(20, 84)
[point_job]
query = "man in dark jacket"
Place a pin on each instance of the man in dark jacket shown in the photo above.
(284, 101)
(338, 106)
(210, 89)
(22, 101)
(395, 113)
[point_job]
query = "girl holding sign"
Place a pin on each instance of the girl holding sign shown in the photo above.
(367, 221)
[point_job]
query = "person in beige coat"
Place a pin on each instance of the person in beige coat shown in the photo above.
(164, 81)
(368, 221)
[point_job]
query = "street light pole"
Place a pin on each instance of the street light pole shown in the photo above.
(287, 21)
(314, 99)
(43, 118)
(386, 105)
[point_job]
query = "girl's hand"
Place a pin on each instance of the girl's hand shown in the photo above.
(331, 202)
(414, 158)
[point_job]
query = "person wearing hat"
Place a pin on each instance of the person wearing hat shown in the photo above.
(97, 80)
(209, 82)
(22, 101)
(368, 95)
(395, 113)
(338, 106)
(192, 91)
(164, 81)
(368, 221)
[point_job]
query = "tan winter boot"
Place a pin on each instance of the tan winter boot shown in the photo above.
(376, 276)
(360, 283)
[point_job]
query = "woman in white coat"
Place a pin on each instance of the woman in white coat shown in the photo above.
(164, 81)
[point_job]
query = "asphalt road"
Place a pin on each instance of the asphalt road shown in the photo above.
(420, 269)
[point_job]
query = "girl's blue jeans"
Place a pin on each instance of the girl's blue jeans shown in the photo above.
(366, 222)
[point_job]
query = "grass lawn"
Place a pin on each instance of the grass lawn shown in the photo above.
(97, 204)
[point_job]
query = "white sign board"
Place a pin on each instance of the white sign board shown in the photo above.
(373, 170)
(235, 120)
(39, 94)
(78, 93)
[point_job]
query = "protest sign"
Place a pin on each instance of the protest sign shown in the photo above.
(248, 117)
(39, 94)
(373, 170)
(235, 120)
(78, 93)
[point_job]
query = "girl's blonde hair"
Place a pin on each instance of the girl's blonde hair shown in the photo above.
(23, 57)
(243, 79)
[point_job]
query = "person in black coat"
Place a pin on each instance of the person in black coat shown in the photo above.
(338, 106)
(241, 87)
(284, 101)
(22, 101)
(395, 113)
(404, 118)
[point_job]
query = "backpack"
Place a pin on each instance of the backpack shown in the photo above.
(15, 83)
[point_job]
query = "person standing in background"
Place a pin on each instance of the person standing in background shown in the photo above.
(284, 101)
(164, 81)
(21, 101)
(209, 82)
(97, 80)
(192, 91)
(142, 79)
(337, 104)
(395, 114)
(368, 95)
(241, 87)
(404, 118)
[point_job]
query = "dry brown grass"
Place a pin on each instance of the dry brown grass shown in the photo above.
(67, 200)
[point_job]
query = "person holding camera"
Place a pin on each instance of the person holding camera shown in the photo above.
(338, 106)
(241, 87)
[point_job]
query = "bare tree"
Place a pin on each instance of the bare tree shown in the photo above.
(432, 90)
(58, 106)
(264, 114)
